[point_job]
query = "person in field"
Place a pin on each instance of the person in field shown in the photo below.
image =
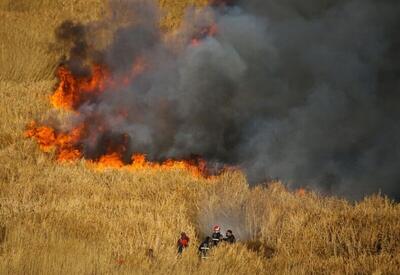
(229, 237)
(216, 236)
(205, 247)
(183, 242)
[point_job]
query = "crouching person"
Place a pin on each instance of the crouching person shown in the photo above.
(229, 237)
(205, 247)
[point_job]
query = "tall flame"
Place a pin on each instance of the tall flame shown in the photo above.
(73, 91)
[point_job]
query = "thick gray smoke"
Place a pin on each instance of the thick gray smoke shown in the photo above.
(303, 91)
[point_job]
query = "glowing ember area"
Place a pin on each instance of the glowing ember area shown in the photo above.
(197, 167)
(66, 146)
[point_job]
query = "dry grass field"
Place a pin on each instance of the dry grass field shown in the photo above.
(68, 219)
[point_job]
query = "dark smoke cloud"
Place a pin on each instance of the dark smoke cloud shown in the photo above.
(74, 35)
(304, 91)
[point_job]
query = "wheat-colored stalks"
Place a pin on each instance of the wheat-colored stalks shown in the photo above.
(68, 219)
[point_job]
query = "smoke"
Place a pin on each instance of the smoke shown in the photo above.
(303, 91)
(226, 214)
(228, 209)
(74, 35)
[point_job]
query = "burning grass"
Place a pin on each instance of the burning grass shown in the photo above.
(67, 151)
(67, 219)
(76, 90)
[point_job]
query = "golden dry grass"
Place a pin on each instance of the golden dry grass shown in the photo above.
(67, 219)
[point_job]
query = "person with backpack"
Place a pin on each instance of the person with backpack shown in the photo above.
(216, 236)
(204, 247)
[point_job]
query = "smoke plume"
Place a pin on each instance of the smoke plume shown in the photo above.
(303, 91)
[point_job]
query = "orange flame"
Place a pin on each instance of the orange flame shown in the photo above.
(48, 139)
(73, 91)
(45, 136)
(66, 146)
(112, 160)
(139, 162)
(197, 168)
(209, 31)
(301, 192)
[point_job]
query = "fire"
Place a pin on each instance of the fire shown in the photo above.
(45, 136)
(67, 148)
(138, 67)
(72, 91)
(112, 160)
(75, 90)
(301, 192)
(205, 32)
(196, 166)
(65, 144)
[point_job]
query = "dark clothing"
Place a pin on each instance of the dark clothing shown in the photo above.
(230, 239)
(216, 237)
(205, 247)
(205, 244)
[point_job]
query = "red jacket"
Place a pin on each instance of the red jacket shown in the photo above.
(183, 241)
